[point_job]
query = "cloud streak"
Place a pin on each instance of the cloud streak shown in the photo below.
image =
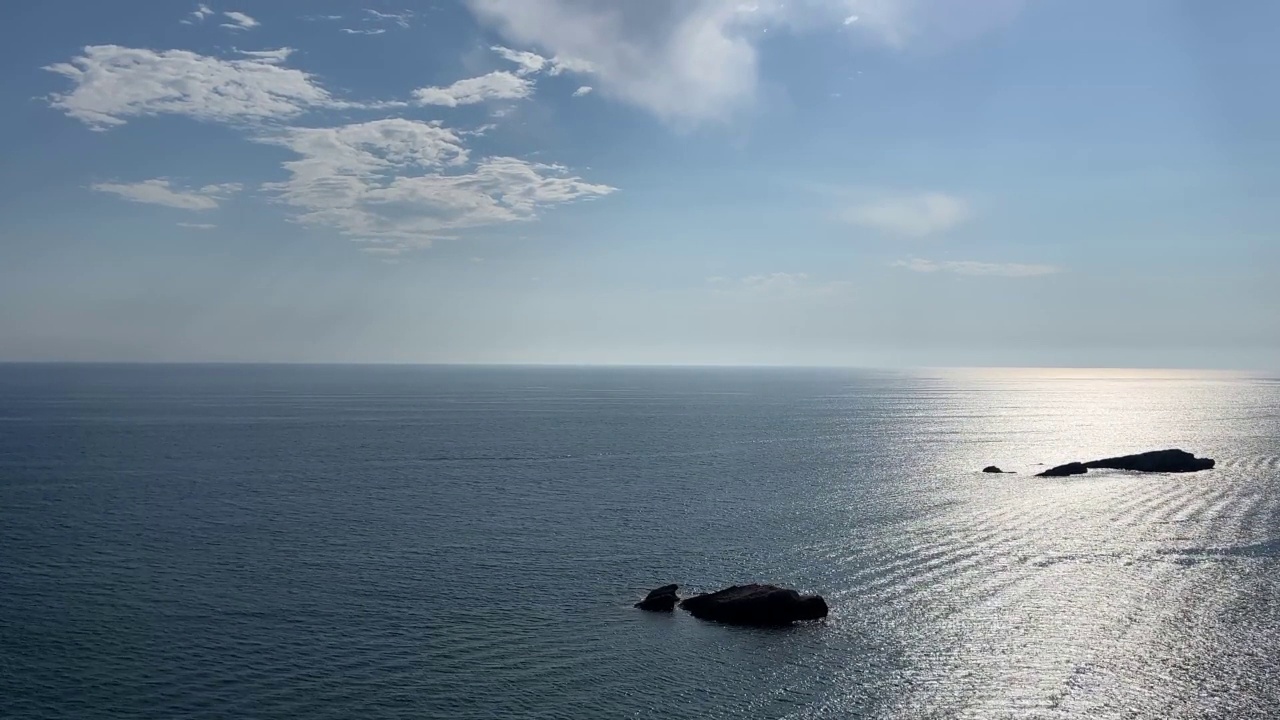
(239, 21)
(399, 19)
(199, 15)
(498, 85)
(160, 191)
(971, 267)
(777, 283)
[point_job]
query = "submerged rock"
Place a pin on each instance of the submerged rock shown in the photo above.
(1167, 461)
(661, 599)
(1074, 468)
(756, 605)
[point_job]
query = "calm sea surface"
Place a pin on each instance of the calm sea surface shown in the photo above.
(401, 542)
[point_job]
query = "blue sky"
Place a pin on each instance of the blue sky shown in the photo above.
(847, 182)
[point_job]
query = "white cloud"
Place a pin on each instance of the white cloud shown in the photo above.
(561, 64)
(113, 83)
(404, 183)
(401, 19)
(197, 226)
(198, 15)
(239, 21)
(683, 60)
(529, 62)
(355, 31)
(272, 57)
(500, 85)
(971, 267)
(313, 18)
(910, 215)
(160, 191)
(851, 20)
(584, 90)
(695, 61)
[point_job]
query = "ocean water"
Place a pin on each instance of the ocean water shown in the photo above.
(417, 542)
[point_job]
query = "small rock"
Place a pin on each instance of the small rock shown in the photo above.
(992, 469)
(661, 599)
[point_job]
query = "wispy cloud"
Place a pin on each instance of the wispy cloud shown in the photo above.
(918, 215)
(403, 183)
(359, 31)
(400, 19)
(498, 85)
(529, 62)
(199, 15)
(197, 226)
(272, 57)
(239, 21)
(584, 90)
(788, 283)
(160, 191)
(971, 267)
(112, 84)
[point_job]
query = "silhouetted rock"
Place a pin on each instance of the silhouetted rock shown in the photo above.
(1166, 461)
(1074, 468)
(756, 605)
(662, 599)
(992, 469)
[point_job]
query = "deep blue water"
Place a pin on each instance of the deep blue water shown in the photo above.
(386, 542)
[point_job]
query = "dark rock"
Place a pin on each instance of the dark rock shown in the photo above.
(662, 599)
(992, 469)
(1074, 468)
(1163, 461)
(756, 605)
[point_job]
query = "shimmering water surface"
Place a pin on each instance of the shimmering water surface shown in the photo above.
(383, 542)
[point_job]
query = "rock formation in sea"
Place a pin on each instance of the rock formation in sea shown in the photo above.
(1074, 468)
(661, 599)
(756, 605)
(1159, 461)
(992, 469)
(1167, 461)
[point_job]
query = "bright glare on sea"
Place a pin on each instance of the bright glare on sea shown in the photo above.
(417, 542)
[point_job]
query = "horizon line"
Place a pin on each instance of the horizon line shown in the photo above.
(642, 365)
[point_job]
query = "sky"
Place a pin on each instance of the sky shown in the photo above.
(874, 183)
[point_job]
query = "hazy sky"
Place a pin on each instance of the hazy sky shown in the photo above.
(866, 182)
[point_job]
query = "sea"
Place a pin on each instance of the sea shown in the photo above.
(284, 541)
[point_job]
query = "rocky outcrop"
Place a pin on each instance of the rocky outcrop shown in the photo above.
(1158, 461)
(756, 605)
(1074, 468)
(992, 469)
(661, 599)
(1161, 461)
